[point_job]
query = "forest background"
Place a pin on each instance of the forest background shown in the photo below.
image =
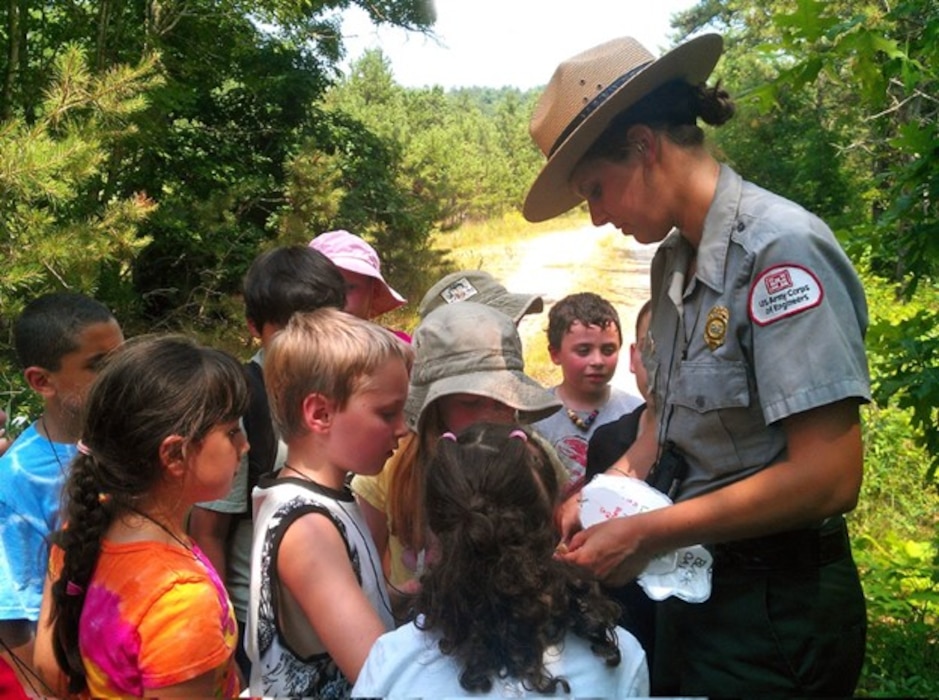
(150, 149)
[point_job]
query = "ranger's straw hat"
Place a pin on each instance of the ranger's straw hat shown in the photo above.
(584, 95)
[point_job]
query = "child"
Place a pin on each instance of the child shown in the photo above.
(584, 339)
(367, 294)
(498, 614)
(469, 367)
(610, 441)
(337, 386)
(135, 607)
(607, 445)
(279, 283)
(60, 341)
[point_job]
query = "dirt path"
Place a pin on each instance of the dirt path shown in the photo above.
(561, 262)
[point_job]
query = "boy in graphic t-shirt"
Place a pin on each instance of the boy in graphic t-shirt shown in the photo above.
(584, 340)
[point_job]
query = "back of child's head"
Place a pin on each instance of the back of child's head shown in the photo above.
(327, 352)
(496, 596)
(288, 279)
(49, 327)
(586, 307)
(493, 472)
(151, 388)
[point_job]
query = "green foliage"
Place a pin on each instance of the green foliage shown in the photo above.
(466, 152)
(152, 184)
(895, 497)
(901, 584)
(907, 373)
(56, 229)
(345, 176)
(885, 61)
(894, 538)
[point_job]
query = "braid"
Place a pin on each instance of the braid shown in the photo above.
(152, 387)
(88, 519)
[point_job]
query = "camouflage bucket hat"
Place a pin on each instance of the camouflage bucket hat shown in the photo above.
(470, 348)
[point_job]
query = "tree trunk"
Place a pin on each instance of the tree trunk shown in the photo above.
(101, 42)
(13, 59)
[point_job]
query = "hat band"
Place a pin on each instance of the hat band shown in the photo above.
(591, 106)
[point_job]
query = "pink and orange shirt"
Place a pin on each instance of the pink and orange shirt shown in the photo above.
(155, 616)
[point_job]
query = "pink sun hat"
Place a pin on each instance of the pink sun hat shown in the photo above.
(352, 253)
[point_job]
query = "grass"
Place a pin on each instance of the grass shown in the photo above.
(510, 228)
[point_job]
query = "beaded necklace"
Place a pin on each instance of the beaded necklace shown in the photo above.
(583, 423)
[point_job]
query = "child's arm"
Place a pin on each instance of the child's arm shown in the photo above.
(313, 564)
(377, 523)
(44, 660)
(16, 649)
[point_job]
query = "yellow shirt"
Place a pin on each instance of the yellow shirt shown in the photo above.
(374, 491)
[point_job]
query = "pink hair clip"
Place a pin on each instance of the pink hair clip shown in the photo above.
(448, 436)
(84, 449)
(72, 588)
(520, 434)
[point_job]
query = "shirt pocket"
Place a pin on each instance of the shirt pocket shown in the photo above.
(717, 418)
(711, 386)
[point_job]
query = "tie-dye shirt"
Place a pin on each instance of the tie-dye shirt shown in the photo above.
(155, 616)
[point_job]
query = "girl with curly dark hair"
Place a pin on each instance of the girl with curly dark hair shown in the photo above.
(498, 614)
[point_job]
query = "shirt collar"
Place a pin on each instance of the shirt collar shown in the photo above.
(719, 226)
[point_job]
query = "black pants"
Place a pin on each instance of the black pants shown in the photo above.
(775, 625)
(241, 656)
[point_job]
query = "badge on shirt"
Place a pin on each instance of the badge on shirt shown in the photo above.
(715, 328)
(783, 291)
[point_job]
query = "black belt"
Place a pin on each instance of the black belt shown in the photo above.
(793, 550)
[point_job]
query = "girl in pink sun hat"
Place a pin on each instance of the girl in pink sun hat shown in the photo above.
(368, 295)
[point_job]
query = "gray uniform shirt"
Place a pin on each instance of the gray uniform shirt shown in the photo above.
(771, 325)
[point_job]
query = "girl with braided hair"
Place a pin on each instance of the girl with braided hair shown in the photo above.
(498, 613)
(132, 607)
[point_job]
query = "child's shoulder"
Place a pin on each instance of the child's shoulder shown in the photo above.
(622, 401)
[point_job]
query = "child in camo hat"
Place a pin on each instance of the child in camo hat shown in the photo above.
(468, 368)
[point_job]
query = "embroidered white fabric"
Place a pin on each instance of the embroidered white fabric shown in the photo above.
(684, 573)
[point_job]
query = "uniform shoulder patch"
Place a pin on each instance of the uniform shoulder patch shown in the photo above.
(782, 291)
